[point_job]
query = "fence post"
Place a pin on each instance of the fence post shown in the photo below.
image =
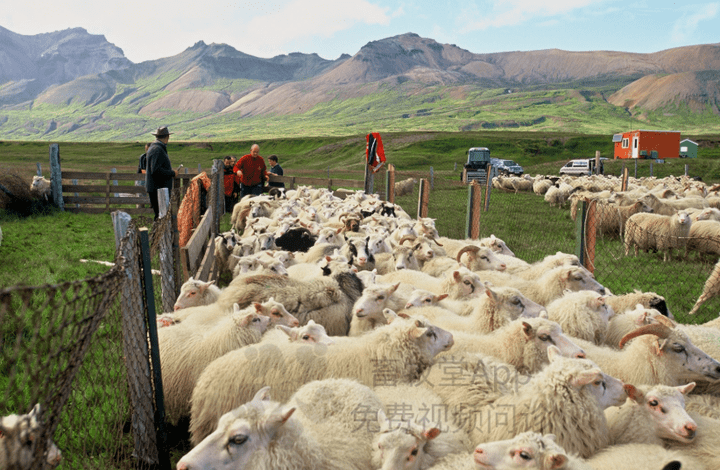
(488, 190)
(590, 231)
(455, 167)
(432, 178)
(75, 183)
(472, 225)
(651, 168)
(56, 176)
(390, 184)
(580, 231)
(39, 169)
(150, 318)
(625, 177)
(115, 182)
(687, 168)
(636, 168)
(597, 162)
(167, 257)
(423, 198)
(135, 347)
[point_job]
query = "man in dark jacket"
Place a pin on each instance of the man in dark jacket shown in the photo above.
(159, 172)
(230, 182)
(275, 169)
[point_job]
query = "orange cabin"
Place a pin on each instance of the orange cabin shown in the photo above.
(647, 144)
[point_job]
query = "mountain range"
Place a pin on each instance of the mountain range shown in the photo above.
(71, 85)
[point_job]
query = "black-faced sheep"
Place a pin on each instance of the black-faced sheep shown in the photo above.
(657, 232)
(398, 352)
(296, 239)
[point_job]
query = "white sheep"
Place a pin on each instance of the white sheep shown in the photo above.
(624, 323)
(528, 451)
(185, 350)
(522, 343)
(611, 218)
(566, 398)
(704, 446)
(19, 442)
(402, 257)
(460, 283)
(582, 314)
(705, 237)
(643, 457)
(550, 286)
(40, 187)
(224, 245)
(555, 197)
(658, 354)
(624, 302)
(414, 431)
(660, 232)
(327, 300)
(204, 315)
(264, 435)
(493, 309)
(309, 333)
(709, 213)
(537, 269)
(195, 292)
(711, 289)
(650, 414)
(400, 351)
(404, 187)
(368, 310)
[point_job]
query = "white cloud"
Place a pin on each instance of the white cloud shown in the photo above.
(308, 19)
(501, 13)
(687, 24)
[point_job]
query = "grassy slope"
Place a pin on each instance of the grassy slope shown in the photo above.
(401, 107)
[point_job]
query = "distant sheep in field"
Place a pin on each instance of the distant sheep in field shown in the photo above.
(405, 187)
(40, 187)
(657, 232)
(705, 237)
(611, 218)
(709, 213)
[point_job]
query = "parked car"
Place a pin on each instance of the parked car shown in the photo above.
(506, 167)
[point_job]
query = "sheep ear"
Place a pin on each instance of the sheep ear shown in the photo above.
(431, 433)
(527, 330)
(389, 315)
(440, 297)
(553, 353)
(555, 461)
(403, 315)
(236, 308)
(263, 394)
(258, 307)
(543, 314)
(382, 421)
(633, 393)
(393, 288)
(416, 332)
(245, 321)
(311, 322)
(685, 389)
(292, 334)
(492, 295)
(585, 377)
(279, 418)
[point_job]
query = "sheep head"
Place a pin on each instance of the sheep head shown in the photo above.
(665, 406)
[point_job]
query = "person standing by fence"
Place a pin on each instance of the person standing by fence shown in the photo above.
(230, 183)
(159, 172)
(251, 170)
(275, 169)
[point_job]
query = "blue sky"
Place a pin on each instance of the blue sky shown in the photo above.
(150, 29)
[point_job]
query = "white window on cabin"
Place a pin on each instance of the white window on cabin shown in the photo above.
(683, 149)
(625, 143)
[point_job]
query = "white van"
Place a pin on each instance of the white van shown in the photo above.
(585, 166)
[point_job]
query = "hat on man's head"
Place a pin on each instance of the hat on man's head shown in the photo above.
(162, 132)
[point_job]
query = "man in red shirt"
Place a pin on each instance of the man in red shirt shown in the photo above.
(251, 170)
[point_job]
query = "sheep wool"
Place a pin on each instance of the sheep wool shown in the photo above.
(398, 352)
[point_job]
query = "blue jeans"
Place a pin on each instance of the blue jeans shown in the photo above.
(254, 190)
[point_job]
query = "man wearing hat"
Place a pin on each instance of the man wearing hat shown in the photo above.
(159, 172)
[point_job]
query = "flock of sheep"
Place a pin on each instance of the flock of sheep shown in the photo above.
(674, 216)
(355, 337)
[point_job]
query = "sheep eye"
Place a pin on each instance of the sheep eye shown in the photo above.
(484, 258)
(516, 301)
(467, 283)
(190, 294)
(277, 314)
(543, 337)
(525, 456)
(381, 297)
(431, 334)
(238, 439)
(414, 452)
(306, 337)
(427, 301)
(678, 348)
(255, 320)
(653, 403)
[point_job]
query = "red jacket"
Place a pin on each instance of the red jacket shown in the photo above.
(253, 169)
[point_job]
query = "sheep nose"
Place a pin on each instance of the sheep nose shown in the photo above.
(398, 268)
(690, 429)
(580, 355)
(502, 267)
(176, 308)
(183, 466)
(602, 291)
